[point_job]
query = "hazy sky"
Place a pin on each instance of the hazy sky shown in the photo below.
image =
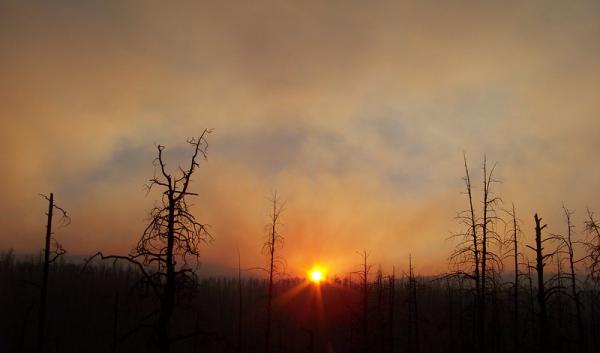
(357, 112)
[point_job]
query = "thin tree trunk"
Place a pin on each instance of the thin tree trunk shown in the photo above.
(477, 273)
(46, 269)
(516, 331)
(413, 308)
(240, 307)
(365, 303)
(541, 294)
(273, 237)
(392, 298)
(484, 258)
(168, 298)
(573, 281)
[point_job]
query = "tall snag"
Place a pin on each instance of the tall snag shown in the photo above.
(467, 252)
(274, 241)
(491, 263)
(568, 246)
(515, 232)
(364, 286)
(473, 255)
(413, 309)
(173, 234)
(52, 251)
(543, 294)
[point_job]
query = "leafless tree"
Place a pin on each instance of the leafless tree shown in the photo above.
(542, 259)
(52, 251)
(413, 309)
(274, 242)
(515, 233)
(467, 252)
(363, 274)
(567, 247)
(391, 307)
(171, 239)
(473, 256)
(592, 228)
(491, 262)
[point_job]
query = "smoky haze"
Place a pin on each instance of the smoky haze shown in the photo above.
(357, 113)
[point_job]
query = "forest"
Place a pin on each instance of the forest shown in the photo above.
(511, 286)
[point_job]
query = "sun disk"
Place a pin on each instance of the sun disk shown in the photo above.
(316, 274)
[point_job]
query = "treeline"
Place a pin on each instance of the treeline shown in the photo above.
(96, 309)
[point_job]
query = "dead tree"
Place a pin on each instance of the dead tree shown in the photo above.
(240, 307)
(380, 314)
(52, 251)
(515, 233)
(592, 244)
(364, 286)
(391, 308)
(491, 262)
(274, 241)
(592, 228)
(541, 260)
(413, 309)
(467, 252)
(568, 247)
(474, 256)
(171, 239)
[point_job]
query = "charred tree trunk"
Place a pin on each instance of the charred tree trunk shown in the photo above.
(541, 294)
(515, 241)
(380, 316)
(573, 279)
(365, 302)
(484, 258)
(271, 245)
(476, 259)
(46, 270)
(413, 310)
(240, 307)
(168, 297)
(391, 308)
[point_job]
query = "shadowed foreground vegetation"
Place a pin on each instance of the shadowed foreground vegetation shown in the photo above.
(91, 309)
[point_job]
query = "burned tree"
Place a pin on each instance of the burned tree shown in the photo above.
(52, 251)
(491, 263)
(467, 252)
(567, 246)
(172, 238)
(515, 232)
(474, 257)
(274, 241)
(364, 278)
(592, 228)
(542, 259)
(413, 309)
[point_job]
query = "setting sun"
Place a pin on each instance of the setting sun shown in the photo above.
(316, 274)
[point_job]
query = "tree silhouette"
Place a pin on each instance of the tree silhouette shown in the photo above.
(542, 259)
(567, 247)
(515, 233)
(274, 241)
(473, 256)
(52, 251)
(467, 253)
(173, 234)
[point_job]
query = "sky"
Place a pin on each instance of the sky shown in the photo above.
(356, 112)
